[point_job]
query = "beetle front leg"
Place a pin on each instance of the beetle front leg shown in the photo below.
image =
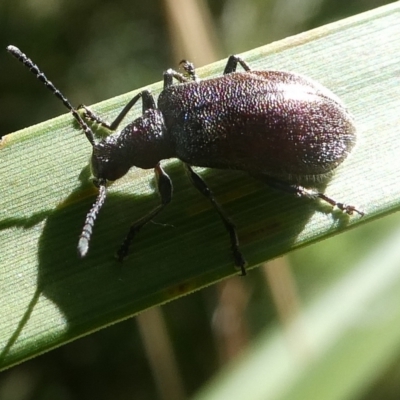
(202, 187)
(148, 102)
(92, 116)
(164, 186)
(232, 63)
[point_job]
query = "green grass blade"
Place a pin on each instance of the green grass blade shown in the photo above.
(51, 297)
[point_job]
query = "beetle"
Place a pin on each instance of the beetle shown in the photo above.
(282, 126)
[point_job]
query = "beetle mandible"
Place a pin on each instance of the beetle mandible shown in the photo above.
(281, 125)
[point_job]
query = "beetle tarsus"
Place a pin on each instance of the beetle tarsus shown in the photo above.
(348, 209)
(240, 262)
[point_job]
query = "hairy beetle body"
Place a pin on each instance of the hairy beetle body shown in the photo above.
(274, 123)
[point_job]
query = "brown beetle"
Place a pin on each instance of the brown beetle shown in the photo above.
(280, 125)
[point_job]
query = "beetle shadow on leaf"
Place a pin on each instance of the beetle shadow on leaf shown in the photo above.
(97, 290)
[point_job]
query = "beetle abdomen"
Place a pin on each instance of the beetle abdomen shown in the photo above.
(271, 122)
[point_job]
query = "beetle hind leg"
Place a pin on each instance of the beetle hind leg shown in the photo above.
(301, 191)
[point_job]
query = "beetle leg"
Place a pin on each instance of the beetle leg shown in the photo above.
(301, 191)
(148, 102)
(164, 186)
(346, 208)
(232, 63)
(202, 187)
(91, 115)
(170, 74)
(190, 70)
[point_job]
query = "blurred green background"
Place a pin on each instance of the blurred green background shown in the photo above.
(94, 50)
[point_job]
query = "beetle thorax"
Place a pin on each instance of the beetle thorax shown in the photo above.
(141, 144)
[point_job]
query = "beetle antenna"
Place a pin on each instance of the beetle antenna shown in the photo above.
(24, 59)
(87, 230)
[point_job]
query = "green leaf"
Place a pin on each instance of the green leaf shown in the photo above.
(51, 297)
